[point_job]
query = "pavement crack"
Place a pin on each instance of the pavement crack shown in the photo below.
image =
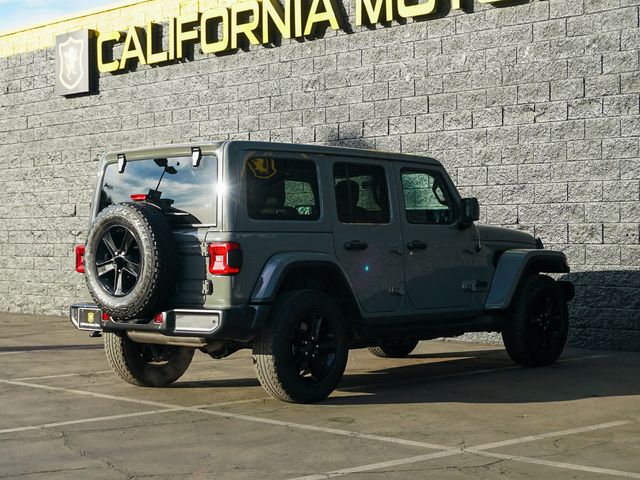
(67, 444)
(40, 472)
(110, 465)
(458, 468)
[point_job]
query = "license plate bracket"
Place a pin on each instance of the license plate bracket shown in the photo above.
(89, 318)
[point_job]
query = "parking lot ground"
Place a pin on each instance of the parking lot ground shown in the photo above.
(450, 410)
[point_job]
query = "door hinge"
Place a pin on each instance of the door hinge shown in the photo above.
(397, 290)
(474, 285)
(207, 287)
(397, 248)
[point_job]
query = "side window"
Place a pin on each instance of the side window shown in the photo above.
(361, 193)
(426, 199)
(282, 189)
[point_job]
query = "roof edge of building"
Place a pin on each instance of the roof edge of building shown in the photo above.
(116, 16)
(73, 16)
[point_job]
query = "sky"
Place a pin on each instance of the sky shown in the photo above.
(21, 13)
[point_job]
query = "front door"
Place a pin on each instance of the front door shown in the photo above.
(367, 233)
(439, 269)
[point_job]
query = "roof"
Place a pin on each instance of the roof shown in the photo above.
(173, 149)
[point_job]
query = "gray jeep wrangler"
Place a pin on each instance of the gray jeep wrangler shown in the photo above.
(301, 253)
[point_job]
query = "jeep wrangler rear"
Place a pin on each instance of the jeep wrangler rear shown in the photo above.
(301, 253)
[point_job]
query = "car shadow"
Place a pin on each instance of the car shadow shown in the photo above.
(472, 376)
(226, 383)
(461, 354)
(488, 379)
(29, 348)
(408, 372)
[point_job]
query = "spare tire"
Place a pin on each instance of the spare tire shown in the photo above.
(129, 263)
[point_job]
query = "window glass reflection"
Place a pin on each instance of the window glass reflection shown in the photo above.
(186, 194)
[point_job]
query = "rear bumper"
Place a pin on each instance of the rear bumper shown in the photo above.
(237, 323)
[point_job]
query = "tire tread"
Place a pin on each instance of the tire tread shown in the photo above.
(267, 363)
(514, 333)
(133, 370)
(161, 274)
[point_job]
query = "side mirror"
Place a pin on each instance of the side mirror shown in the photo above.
(470, 212)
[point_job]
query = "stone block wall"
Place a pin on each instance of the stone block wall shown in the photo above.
(533, 107)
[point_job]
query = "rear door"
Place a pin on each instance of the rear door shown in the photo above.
(439, 270)
(187, 195)
(367, 234)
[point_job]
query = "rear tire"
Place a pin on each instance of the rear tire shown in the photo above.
(301, 354)
(537, 324)
(397, 350)
(146, 365)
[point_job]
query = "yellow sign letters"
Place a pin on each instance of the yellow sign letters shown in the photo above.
(254, 22)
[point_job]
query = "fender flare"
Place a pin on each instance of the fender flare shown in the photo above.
(276, 268)
(513, 265)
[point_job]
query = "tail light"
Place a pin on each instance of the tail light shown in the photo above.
(80, 258)
(225, 258)
(139, 197)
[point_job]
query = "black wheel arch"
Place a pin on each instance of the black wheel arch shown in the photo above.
(514, 266)
(551, 265)
(545, 265)
(325, 277)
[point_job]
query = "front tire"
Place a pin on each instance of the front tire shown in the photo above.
(396, 350)
(301, 354)
(537, 324)
(146, 365)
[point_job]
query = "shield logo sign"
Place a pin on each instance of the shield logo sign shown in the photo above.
(262, 167)
(72, 63)
(71, 68)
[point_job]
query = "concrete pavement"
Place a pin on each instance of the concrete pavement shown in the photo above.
(450, 410)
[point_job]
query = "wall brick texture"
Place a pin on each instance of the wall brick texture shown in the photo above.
(534, 108)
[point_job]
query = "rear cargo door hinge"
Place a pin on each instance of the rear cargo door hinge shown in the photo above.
(207, 287)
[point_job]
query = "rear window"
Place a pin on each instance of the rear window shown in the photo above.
(282, 189)
(186, 194)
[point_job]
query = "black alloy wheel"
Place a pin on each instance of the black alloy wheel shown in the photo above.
(546, 320)
(301, 354)
(313, 348)
(537, 324)
(118, 261)
(130, 261)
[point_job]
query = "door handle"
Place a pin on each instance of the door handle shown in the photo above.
(355, 245)
(416, 245)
